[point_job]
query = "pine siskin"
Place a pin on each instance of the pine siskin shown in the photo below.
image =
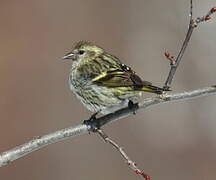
(101, 81)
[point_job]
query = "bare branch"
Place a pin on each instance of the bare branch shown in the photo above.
(191, 10)
(129, 162)
(174, 62)
(42, 141)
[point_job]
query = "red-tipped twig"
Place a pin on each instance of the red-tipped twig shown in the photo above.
(174, 62)
(130, 163)
(171, 58)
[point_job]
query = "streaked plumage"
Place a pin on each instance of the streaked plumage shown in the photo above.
(101, 81)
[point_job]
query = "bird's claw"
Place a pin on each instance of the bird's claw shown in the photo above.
(133, 106)
(92, 121)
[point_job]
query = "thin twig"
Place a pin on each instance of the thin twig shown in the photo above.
(129, 162)
(42, 141)
(191, 10)
(174, 62)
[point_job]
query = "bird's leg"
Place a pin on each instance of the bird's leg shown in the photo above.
(133, 106)
(92, 121)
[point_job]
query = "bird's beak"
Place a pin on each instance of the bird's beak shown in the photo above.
(68, 55)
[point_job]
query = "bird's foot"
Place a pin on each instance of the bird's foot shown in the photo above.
(133, 106)
(92, 121)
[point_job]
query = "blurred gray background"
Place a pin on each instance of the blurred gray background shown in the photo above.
(169, 141)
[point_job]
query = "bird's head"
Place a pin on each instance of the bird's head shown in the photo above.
(83, 51)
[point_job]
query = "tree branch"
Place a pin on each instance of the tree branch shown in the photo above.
(174, 62)
(120, 149)
(42, 141)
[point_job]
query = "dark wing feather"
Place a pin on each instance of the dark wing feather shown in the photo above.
(119, 75)
(113, 79)
(120, 78)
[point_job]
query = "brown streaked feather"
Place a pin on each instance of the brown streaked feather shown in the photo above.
(121, 75)
(80, 44)
(119, 78)
(114, 79)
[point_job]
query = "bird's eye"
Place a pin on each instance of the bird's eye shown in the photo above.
(81, 52)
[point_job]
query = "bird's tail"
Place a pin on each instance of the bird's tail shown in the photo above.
(153, 89)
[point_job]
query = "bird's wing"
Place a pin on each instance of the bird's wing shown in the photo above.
(120, 77)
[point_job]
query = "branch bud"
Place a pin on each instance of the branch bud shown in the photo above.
(213, 10)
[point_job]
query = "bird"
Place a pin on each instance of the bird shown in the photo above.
(101, 81)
